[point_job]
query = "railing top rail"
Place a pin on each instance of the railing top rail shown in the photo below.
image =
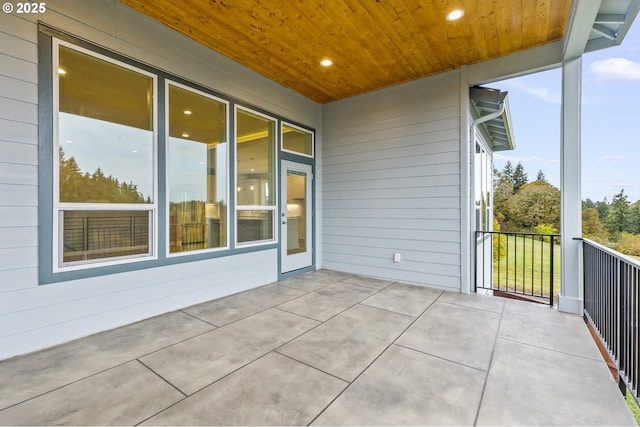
(612, 252)
(518, 233)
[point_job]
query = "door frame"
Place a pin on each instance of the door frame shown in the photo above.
(286, 265)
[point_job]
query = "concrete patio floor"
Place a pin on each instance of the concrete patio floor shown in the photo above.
(324, 348)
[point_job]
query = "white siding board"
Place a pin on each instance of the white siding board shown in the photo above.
(19, 26)
(19, 90)
(407, 223)
(19, 48)
(408, 265)
(405, 172)
(19, 111)
(19, 216)
(377, 162)
(425, 121)
(391, 183)
(13, 131)
(14, 258)
(417, 254)
(400, 274)
(434, 236)
(18, 195)
(395, 244)
(17, 279)
(17, 237)
(437, 181)
(388, 192)
(433, 142)
(18, 68)
(11, 173)
(13, 152)
(103, 286)
(394, 203)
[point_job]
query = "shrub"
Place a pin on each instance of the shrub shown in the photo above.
(499, 242)
(629, 244)
(546, 229)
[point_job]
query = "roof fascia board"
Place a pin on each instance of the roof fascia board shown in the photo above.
(582, 15)
(527, 61)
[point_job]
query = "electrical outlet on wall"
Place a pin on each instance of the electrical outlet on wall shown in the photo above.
(397, 257)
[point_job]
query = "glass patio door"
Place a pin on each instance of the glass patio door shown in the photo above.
(296, 216)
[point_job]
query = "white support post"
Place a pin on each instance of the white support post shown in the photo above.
(571, 293)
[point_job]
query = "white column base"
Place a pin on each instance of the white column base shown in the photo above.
(570, 305)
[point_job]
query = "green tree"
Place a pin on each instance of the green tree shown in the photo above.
(588, 204)
(502, 192)
(507, 172)
(634, 218)
(618, 216)
(541, 176)
(603, 209)
(519, 177)
(592, 227)
(535, 203)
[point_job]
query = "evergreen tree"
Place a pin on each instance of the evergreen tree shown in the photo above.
(588, 204)
(541, 176)
(634, 218)
(618, 216)
(519, 177)
(603, 209)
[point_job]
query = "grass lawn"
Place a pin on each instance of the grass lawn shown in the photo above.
(526, 266)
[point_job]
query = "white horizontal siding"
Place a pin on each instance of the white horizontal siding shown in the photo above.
(391, 183)
(34, 316)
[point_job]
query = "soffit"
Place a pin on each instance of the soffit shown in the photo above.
(373, 43)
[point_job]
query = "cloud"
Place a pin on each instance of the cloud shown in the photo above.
(616, 157)
(592, 179)
(616, 69)
(539, 92)
(515, 159)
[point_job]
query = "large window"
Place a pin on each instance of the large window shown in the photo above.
(104, 185)
(197, 162)
(256, 177)
(142, 167)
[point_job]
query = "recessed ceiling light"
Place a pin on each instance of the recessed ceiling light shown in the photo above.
(68, 141)
(455, 15)
(185, 135)
(61, 71)
(134, 151)
(187, 112)
(326, 63)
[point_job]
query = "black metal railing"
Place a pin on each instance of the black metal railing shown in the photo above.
(611, 301)
(520, 264)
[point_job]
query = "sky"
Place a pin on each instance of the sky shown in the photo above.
(610, 121)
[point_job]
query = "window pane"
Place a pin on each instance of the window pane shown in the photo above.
(297, 140)
(255, 160)
(255, 226)
(297, 199)
(197, 171)
(89, 235)
(105, 131)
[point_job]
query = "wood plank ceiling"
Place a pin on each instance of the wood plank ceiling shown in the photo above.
(373, 43)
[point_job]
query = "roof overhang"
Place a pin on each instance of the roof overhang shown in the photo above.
(492, 106)
(598, 24)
